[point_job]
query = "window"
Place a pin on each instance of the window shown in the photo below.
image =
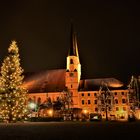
(124, 108)
(130, 100)
(102, 101)
(109, 108)
(115, 93)
(103, 109)
(88, 94)
(71, 61)
(83, 102)
(29, 100)
(96, 109)
(109, 101)
(116, 101)
(123, 101)
(95, 101)
(89, 102)
(71, 86)
(122, 93)
(82, 94)
(117, 109)
(71, 74)
(95, 94)
(39, 100)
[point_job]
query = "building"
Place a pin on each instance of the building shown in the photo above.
(107, 96)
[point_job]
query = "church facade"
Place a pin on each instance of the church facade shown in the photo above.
(107, 96)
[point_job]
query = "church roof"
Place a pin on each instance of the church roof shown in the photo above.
(94, 84)
(45, 81)
(73, 51)
(54, 81)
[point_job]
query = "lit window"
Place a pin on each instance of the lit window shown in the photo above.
(83, 102)
(89, 102)
(88, 94)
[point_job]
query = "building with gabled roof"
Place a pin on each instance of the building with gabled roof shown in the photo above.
(85, 93)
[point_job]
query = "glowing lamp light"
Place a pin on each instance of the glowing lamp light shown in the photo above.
(85, 111)
(50, 112)
(32, 105)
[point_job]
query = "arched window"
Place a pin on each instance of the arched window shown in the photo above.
(71, 61)
(29, 100)
(39, 101)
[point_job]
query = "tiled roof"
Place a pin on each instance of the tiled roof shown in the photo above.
(54, 81)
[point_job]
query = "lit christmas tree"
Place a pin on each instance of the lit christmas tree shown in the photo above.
(13, 97)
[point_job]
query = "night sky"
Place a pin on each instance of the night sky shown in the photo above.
(108, 35)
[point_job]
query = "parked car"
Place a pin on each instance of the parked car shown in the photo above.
(95, 117)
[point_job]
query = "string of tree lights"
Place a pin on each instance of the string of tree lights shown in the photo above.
(13, 96)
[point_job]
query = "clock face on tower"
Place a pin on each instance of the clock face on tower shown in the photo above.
(71, 74)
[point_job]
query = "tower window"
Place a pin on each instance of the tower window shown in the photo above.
(71, 61)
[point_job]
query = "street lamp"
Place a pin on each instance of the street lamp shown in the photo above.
(50, 113)
(32, 106)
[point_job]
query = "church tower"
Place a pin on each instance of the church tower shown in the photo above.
(73, 69)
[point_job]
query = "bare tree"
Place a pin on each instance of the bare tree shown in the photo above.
(105, 100)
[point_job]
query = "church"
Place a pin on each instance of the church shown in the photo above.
(85, 94)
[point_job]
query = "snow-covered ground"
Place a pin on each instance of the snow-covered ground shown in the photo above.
(70, 131)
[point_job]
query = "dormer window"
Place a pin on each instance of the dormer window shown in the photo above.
(71, 61)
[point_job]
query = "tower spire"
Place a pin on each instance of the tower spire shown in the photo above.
(73, 43)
